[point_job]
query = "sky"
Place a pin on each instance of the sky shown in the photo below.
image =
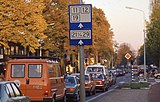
(127, 24)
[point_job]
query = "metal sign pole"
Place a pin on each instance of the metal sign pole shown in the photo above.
(80, 17)
(82, 81)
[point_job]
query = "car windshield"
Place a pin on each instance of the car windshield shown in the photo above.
(70, 81)
(95, 69)
(134, 70)
(97, 76)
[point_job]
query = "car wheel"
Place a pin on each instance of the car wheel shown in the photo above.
(104, 89)
(94, 92)
(64, 98)
(53, 100)
(90, 93)
(78, 97)
(158, 76)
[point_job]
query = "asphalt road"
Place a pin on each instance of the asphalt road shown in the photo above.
(128, 95)
(99, 94)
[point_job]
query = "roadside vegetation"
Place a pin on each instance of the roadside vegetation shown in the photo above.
(140, 85)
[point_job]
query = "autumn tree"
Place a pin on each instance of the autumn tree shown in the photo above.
(56, 15)
(22, 23)
(101, 35)
(122, 51)
(153, 35)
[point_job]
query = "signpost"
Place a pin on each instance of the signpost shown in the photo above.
(80, 18)
(80, 34)
(127, 56)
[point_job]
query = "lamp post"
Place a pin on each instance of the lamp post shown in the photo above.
(145, 73)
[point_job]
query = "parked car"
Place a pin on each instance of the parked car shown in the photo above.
(157, 75)
(40, 79)
(90, 86)
(112, 78)
(73, 88)
(120, 72)
(113, 71)
(101, 81)
(76, 74)
(9, 92)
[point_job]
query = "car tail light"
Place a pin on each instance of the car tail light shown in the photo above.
(86, 83)
(100, 82)
(46, 93)
(70, 89)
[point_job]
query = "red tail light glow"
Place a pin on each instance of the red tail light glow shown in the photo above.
(46, 92)
(70, 89)
(100, 82)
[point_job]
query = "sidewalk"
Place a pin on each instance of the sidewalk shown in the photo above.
(126, 95)
(133, 95)
(154, 94)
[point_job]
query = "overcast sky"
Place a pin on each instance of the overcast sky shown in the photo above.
(127, 24)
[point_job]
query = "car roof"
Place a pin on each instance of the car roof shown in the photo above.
(32, 61)
(71, 76)
(95, 73)
(96, 65)
(5, 82)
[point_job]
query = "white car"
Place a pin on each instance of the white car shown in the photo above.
(157, 75)
(96, 68)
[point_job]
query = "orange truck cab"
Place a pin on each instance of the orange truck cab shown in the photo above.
(40, 79)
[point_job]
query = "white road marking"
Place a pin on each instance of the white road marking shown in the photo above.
(100, 95)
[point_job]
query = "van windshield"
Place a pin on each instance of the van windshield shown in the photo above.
(95, 69)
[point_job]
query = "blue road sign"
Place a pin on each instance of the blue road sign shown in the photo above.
(80, 21)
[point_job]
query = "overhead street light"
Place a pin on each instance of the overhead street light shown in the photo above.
(145, 73)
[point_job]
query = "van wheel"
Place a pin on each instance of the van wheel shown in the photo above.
(64, 98)
(53, 100)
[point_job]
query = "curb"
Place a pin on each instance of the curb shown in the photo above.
(146, 88)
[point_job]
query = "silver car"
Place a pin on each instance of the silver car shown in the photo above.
(9, 92)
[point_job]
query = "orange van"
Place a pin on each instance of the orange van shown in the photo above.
(40, 79)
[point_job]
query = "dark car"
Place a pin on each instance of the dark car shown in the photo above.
(120, 72)
(112, 78)
(9, 92)
(72, 88)
(101, 81)
(90, 86)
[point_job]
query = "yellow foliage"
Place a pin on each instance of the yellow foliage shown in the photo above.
(22, 22)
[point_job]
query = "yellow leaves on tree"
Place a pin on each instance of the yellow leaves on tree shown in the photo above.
(101, 32)
(56, 15)
(22, 22)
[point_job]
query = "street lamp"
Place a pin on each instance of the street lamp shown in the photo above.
(145, 73)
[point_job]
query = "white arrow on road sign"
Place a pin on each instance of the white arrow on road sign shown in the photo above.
(80, 42)
(80, 25)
